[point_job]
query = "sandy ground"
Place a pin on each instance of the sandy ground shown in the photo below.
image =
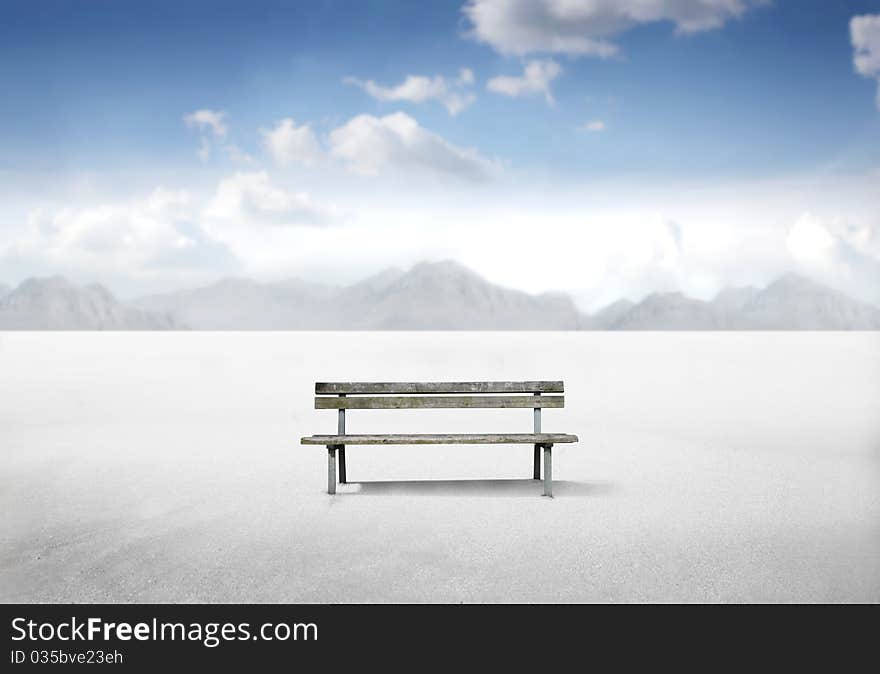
(711, 467)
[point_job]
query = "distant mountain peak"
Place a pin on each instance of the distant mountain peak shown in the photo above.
(793, 281)
(443, 270)
(39, 283)
(54, 303)
(441, 266)
(617, 305)
(793, 302)
(380, 281)
(671, 310)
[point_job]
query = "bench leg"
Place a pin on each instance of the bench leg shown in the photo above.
(548, 470)
(331, 469)
(536, 473)
(341, 464)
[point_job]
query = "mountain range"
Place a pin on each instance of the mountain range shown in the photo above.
(54, 303)
(429, 296)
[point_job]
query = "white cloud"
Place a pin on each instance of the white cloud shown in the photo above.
(236, 154)
(139, 237)
(248, 199)
(586, 27)
(465, 77)
(170, 238)
(841, 255)
(809, 241)
(865, 35)
(212, 128)
(594, 125)
(266, 224)
(414, 89)
(817, 241)
(205, 149)
(420, 89)
(535, 80)
(397, 142)
(371, 145)
(208, 120)
(288, 143)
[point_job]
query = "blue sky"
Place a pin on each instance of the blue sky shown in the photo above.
(772, 91)
(694, 107)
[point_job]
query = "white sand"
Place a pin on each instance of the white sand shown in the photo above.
(711, 467)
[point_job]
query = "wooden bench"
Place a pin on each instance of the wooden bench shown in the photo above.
(439, 395)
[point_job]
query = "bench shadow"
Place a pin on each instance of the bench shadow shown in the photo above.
(490, 488)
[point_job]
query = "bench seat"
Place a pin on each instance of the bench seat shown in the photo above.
(346, 396)
(442, 439)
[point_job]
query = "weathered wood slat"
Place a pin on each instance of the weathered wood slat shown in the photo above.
(436, 402)
(327, 388)
(442, 439)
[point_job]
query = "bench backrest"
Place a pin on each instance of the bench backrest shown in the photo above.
(437, 395)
